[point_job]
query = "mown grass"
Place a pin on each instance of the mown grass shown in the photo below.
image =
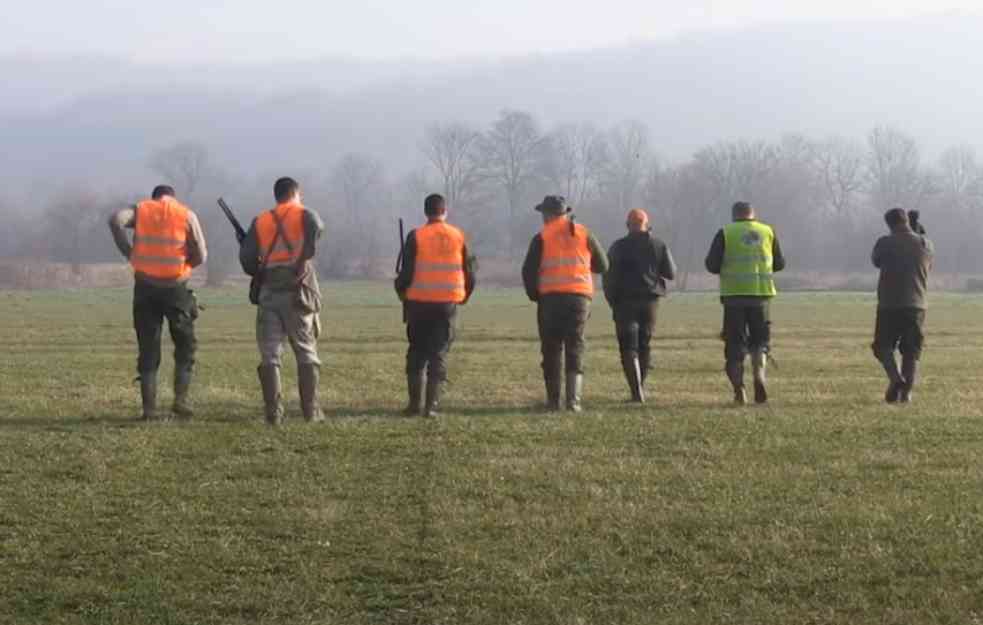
(825, 507)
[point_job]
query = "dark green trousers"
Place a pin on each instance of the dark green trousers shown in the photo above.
(562, 321)
(151, 306)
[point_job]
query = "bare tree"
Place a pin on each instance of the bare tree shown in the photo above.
(184, 164)
(454, 151)
(362, 190)
(894, 170)
(961, 176)
(630, 152)
(575, 160)
(512, 156)
(70, 218)
(684, 200)
(839, 167)
(736, 170)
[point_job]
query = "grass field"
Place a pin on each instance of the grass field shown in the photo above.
(825, 507)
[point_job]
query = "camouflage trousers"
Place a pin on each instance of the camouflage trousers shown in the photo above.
(280, 319)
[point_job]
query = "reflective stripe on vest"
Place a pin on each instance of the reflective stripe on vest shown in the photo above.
(160, 240)
(747, 269)
(565, 265)
(438, 269)
(291, 217)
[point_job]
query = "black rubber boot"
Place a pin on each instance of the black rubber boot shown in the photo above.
(552, 378)
(909, 371)
(182, 405)
(435, 389)
(148, 395)
(735, 373)
(414, 387)
(759, 365)
(269, 380)
(896, 382)
(644, 365)
(308, 382)
(575, 391)
(633, 375)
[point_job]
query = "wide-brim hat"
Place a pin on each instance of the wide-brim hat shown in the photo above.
(553, 205)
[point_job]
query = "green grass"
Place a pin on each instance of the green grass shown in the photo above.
(825, 507)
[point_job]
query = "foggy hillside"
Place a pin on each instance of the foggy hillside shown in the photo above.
(102, 118)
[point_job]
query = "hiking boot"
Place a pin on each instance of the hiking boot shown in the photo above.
(269, 380)
(308, 381)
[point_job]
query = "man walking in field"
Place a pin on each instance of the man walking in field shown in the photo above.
(904, 258)
(436, 276)
(278, 251)
(641, 263)
(167, 244)
(746, 254)
(557, 275)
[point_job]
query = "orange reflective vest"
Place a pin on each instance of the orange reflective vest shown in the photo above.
(438, 271)
(290, 244)
(160, 240)
(565, 266)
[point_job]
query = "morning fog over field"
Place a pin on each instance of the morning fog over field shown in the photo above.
(822, 119)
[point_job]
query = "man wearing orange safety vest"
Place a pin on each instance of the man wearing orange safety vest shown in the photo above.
(557, 275)
(437, 275)
(167, 244)
(278, 252)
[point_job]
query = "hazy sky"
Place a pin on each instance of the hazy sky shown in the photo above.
(257, 30)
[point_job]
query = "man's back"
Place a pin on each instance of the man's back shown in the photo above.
(904, 259)
(640, 265)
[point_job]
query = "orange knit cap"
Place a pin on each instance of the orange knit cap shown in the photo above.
(638, 217)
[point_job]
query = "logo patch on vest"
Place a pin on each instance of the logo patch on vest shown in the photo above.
(751, 238)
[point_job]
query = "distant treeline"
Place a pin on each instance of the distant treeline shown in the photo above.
(825, 195)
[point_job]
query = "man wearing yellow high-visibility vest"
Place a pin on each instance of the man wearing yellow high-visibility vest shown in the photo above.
(746, 255)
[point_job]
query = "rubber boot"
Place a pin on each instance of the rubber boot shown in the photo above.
(148, 395)
(759, 364)
(575, 391)
(269, 380)
(435, 388)
(551, 376)
(895, 381)
(414, 386)
(182, 406)
(644, 365)
(909, 371)
(633, 375)
(735, 373)
(308, 381)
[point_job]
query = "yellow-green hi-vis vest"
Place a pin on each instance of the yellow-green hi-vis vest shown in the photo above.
(748, 264)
